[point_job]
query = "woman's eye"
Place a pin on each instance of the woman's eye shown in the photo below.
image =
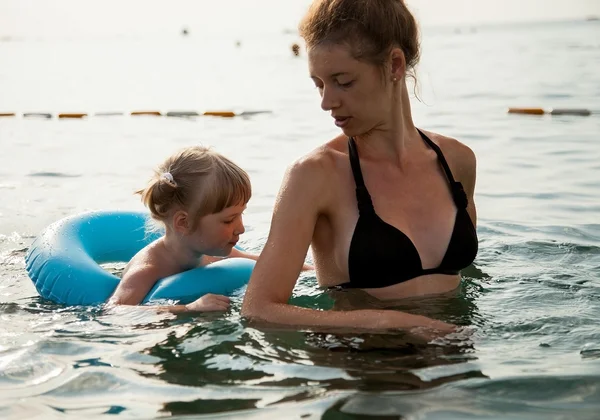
(346, 85)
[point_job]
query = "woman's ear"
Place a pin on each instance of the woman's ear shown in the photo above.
(398, 61)
(181, 222)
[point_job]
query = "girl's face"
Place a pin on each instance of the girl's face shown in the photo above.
(218, 233)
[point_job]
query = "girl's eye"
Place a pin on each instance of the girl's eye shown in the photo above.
(346, 85)
(230, 221)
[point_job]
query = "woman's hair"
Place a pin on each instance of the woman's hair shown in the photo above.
(370, 28)
(197, 180)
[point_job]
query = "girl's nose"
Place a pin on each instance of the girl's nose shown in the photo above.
(239, 229)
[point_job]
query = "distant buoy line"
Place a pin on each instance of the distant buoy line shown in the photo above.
(554, 111)
(153, 113)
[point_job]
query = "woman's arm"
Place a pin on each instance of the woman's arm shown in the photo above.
(463, 164)
(301, 199)
(467, 176)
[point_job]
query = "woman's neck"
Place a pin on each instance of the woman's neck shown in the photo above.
(393, 139)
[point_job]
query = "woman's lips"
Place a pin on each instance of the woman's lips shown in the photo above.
(341, 121)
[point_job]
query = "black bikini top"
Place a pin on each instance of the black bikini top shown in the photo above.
(381, 255)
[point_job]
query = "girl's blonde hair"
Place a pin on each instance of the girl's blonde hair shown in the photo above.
(198, 181)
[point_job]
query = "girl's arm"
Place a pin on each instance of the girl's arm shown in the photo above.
(236, 253)
(137, 282)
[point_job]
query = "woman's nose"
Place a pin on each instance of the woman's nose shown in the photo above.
(329, 100)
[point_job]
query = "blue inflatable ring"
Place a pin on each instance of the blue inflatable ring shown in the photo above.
(64, 261)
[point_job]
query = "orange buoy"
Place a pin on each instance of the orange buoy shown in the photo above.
(71, 115)
(157, 113)
(7, 114)
(529, 111)
(220, 113)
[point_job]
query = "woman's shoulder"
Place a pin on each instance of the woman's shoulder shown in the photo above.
(460, 157)
(313, 179)
(320, 163)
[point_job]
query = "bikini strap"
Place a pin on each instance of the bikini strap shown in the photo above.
(458, 192)
(365, 204)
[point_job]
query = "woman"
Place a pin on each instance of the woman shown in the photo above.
(387, 208)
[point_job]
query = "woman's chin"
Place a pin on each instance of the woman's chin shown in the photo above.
(348, 132)
(351, 131)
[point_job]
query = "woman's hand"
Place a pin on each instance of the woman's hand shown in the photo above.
(433, 329)
(209, 303)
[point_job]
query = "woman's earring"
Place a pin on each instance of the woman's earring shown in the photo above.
(395, 80)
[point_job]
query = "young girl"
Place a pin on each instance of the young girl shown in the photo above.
(199, 196)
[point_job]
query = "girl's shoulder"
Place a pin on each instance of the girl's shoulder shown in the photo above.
(150, 261)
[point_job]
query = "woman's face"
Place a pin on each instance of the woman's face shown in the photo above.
(353, 91)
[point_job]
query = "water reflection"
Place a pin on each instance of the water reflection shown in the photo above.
(294, 366)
